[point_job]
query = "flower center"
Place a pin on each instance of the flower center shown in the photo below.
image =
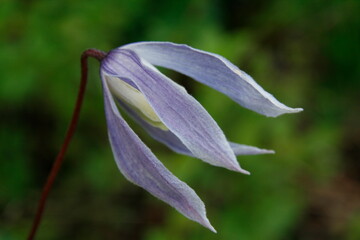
(134, 99)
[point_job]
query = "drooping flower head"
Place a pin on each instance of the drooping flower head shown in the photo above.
(172, 116)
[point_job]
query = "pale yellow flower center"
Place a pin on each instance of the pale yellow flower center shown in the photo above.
(134, 99)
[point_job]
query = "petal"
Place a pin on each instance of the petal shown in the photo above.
(171, 141)
(214, 71)
(179, 111)
(241, 149)
(140, 166)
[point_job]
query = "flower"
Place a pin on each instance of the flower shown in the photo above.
(170, 115)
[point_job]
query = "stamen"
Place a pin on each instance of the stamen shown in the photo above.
(134, 99)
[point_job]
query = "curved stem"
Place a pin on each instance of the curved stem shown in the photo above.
(99, 55)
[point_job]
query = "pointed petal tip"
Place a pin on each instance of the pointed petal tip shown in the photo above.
(206, 223)
(296, 110)
(240, 170)
(245, 172)
(267, 151)
(288, 110)
(212, 229)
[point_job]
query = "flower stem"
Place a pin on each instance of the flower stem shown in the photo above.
(99, 55)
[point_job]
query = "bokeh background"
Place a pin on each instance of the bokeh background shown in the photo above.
(305, 52)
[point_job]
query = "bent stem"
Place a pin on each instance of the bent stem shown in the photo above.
(99, 55)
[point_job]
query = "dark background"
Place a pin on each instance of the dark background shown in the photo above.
(305, 52)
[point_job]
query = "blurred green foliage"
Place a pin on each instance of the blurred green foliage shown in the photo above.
(305, 52)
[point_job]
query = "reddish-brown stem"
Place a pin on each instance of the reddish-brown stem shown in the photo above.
(99, 55)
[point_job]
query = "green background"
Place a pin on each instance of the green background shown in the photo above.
(305, 52)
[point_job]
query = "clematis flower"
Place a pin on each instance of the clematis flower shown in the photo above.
(173, 117)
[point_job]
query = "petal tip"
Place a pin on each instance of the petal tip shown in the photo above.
(240, 170)
(267, 151)
(206, 223)
(296, 110)
(284, 110)
(212, 229)
(245, 172)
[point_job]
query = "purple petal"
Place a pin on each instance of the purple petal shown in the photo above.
(179, 112)
(214, 71)
(140, 166)
(171, 141)
(241, 149)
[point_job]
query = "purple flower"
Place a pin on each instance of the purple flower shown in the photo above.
(170, 115)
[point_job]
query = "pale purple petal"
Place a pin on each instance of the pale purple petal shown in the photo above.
(171, 141)
(178, 111)
(241, 149)
(214, 71)
(140, 166)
